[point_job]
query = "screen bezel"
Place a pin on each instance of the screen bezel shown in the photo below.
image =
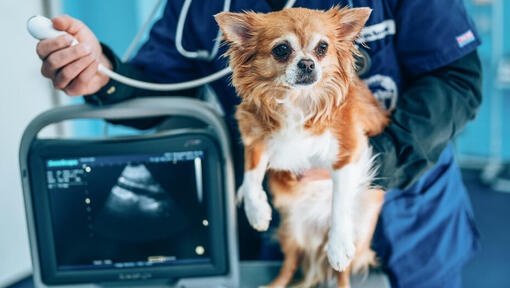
(46, 149)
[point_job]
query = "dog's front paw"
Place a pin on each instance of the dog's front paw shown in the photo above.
(341, 251)
(256, 207)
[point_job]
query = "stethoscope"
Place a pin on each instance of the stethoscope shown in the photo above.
(204, 54)
(199, 54)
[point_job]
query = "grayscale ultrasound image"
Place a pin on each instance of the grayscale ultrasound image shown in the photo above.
(136, 195)
(130, 214)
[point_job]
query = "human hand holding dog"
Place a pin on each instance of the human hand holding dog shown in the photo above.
(315, 175)
(73, 69)
(256, 205)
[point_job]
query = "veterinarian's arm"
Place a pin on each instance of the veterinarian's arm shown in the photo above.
(115, 92)
(430, 112)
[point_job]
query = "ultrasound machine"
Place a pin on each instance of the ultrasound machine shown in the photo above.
(148, 210)
(151, 210)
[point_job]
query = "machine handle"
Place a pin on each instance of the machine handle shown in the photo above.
(131, 109)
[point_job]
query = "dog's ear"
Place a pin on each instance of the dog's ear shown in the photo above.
(237, 28)
(349, 21)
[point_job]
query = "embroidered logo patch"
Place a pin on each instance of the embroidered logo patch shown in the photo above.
(465, 38)
(384, 89)
(377, 31)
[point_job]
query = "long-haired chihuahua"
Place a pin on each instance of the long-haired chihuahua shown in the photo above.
(304, 107)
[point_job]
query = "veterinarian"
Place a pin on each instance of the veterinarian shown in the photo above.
(420, 62)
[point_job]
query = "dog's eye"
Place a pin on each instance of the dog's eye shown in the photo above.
(281, 52)
(321, 49)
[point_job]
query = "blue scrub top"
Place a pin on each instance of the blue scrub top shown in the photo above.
(426, 232)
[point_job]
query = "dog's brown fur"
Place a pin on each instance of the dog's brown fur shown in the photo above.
(339, 102)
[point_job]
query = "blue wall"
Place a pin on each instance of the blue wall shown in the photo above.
(115, 22)
(476, 138)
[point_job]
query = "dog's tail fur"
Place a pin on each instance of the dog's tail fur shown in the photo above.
(315, 264)
(362, 263)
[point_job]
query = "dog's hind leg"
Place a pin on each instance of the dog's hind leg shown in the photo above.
(366, 215)
(283, 185)
(343, 278)
(292, 254)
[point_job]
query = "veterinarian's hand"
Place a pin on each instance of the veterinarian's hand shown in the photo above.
(315, 175)
(256, 206)
(73, 69)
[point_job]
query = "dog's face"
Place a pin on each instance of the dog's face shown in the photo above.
(299, 62)
(294, 48)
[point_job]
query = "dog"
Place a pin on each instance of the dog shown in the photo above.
(303, 107)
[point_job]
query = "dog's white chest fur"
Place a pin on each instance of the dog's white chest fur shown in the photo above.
(295, 149)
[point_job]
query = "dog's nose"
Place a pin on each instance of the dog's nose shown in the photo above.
(306, 65)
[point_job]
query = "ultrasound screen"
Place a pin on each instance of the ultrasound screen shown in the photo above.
(129, 211)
